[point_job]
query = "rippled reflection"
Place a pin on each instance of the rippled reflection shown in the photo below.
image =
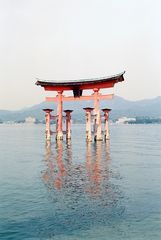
(82, 185)
(93, 167)
(87, 176)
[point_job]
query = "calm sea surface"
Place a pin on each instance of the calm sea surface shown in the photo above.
(78, 191)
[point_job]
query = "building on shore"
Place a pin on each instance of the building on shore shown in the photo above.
(125, 120)
(30, 120)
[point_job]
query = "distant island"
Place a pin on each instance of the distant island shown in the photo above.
(146, 111)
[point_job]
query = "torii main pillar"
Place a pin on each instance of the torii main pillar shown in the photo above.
(59, 124)
(97, 123)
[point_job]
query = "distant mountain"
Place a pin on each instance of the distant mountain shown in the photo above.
(120, 107)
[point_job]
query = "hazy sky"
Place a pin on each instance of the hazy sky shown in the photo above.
(72, 39)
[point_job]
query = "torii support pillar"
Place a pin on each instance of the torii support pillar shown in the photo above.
(68, 123)
(88, 124)
(47, 121)
(59, 130)
(106, 118)
(97, 121)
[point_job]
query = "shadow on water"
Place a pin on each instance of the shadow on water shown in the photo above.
(80, 187)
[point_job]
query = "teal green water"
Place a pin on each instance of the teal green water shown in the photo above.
(78, 191)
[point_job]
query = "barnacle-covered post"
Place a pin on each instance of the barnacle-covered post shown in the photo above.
(106, 123)
(88, 124)
(47, 121)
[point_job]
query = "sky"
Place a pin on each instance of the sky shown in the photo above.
(73, 39)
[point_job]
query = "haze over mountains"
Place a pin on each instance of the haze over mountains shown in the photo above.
(120, 107)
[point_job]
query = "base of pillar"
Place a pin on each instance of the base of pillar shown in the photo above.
(88, 139)
(68, 135)
(48, 137)
(98, 138)
(59, 136)
(68, 138)
(107, 138)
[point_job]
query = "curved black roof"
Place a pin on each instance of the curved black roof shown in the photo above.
(116, 78)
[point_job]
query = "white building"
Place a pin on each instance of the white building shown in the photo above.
(125, 120)
(30, 120)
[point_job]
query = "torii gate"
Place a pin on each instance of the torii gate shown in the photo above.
(77, 86)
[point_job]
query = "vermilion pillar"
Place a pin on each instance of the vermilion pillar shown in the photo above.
(106, 118)
(88, 123)
(97, 123)
(47, 120)
(59, 130)
(68, 123)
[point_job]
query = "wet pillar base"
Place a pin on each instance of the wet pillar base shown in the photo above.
(59, 136)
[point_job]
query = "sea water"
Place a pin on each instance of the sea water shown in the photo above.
(74, 190)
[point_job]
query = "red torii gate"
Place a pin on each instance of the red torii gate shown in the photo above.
(77, 86)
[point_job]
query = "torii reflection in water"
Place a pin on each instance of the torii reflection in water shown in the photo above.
(97, 166)
(62, 173)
